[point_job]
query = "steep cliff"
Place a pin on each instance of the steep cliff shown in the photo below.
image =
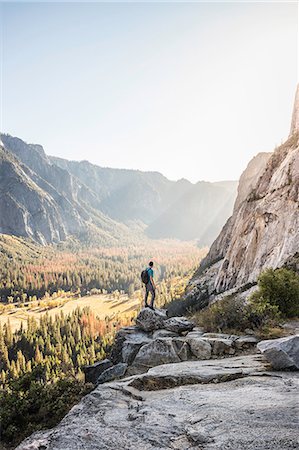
(264, 228)
(44, 202)
(26, 210)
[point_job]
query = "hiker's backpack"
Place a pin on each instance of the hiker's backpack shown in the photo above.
(145, 276)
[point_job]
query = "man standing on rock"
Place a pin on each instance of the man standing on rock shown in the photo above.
(147, 277)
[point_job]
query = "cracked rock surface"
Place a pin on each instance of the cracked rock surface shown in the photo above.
(257, 410)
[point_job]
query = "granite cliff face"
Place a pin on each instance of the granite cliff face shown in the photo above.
(41, 201)
(25, 208)
(264, 228)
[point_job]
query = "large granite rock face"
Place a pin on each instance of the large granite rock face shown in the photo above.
(264, 228)
(281, 353)
(229, 405)
(44, 202)
(295, 116)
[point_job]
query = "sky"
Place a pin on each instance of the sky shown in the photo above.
(192, 90)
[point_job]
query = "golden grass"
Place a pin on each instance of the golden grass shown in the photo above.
(103, 305)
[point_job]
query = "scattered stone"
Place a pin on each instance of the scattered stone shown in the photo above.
(220, 346)
(198, 330)
(164, 333)
(113, 373)
(232, 337)
(282, 353)
(130, 350)
(132, 345)
(182, 349)
(131, 334)
(93, 371)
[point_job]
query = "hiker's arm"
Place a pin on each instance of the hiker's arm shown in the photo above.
(152, 281)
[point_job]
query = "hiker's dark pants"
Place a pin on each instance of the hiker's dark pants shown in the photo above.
(149, 289)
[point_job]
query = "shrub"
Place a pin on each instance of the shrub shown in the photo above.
(229, 314)
(233, 314)
(280, 289)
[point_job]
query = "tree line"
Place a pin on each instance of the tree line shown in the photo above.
(27, 279)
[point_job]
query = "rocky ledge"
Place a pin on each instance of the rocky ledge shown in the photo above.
(157, 339)
(231, 404)
(183, 389)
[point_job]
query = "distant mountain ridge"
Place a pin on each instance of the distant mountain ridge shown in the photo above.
(171, 209)
(73, 198)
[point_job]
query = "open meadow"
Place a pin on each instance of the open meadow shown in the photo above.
(103, 306)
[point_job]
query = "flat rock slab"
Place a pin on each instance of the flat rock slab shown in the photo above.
(194, 372)
(250, 413)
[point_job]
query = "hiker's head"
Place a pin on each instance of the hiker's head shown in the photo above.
(151, 263)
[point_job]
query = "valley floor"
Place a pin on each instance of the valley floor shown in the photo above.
(103, 305)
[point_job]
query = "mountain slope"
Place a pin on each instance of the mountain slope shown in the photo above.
(46, 203)
(179, 210)
(26, 210)
(264, 228)
(91, 202)
(127, 195)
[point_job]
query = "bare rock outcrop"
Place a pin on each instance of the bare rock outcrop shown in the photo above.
(223, 404)
(157, 340)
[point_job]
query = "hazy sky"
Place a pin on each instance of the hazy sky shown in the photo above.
(192, 90)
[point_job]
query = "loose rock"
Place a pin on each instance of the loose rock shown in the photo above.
(200, 348)
(178, 324)
(112, 373)
(93, 371)
(150, 320)
(281, 353)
